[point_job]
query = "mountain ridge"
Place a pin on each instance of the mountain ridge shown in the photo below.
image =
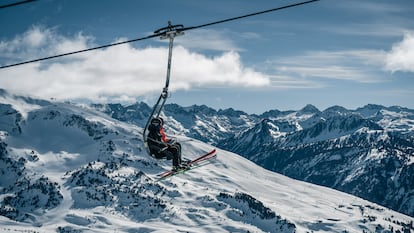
(273, 136)
(98, 178)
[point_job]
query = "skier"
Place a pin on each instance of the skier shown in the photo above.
(162, 147)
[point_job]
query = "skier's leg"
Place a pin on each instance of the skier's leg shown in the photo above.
(176, 150)
(167, 154)
(176, 161)
(172, 154)
(178, 146)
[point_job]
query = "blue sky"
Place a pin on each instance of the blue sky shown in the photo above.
(331, 52)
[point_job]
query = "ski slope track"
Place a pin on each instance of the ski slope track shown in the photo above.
(66, 168)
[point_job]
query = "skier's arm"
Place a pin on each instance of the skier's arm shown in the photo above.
(164, 136)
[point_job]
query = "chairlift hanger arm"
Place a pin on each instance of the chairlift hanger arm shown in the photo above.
(169, 32)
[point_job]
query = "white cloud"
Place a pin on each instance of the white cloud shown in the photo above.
(207, 39)
(353, 65)
(378, 30)
(120, 72)
(401, 56)
(40, 42)
(226, 69)
(373, 7)
(377, 19)
(289, 82)
(35, 37)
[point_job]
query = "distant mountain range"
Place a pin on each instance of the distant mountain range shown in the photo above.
(69, 168)
(367, 152)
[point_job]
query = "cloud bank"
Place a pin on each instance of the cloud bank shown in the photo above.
(119, 73)
(401, 56)
(360, 66)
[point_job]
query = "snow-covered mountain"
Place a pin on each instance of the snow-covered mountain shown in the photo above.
(198, 122)
(66, 168)
(367, 152)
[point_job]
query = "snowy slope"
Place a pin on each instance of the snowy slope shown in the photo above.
(368, 152)
(70, 169)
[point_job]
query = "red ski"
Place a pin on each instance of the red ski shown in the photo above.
(190, 165)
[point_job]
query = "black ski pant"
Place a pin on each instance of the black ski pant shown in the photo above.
(171, 151)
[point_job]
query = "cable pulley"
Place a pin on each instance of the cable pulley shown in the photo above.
(169, 28)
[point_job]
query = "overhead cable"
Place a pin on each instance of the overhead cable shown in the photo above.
(252, 14)
(160, 32)
(80, 51)
(16, 3)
